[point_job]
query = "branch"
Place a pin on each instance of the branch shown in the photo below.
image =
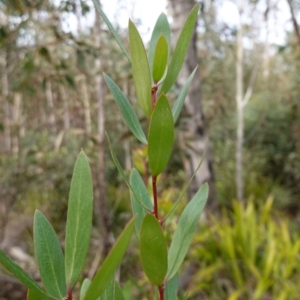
(295, 24)
(249, 91)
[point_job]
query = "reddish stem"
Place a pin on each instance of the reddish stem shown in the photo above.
(161, 292)
(154, 188)
(153, 94)
(69, 296)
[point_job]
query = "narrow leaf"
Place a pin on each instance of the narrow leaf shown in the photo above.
(113, 292)
(140, 70)
(161, 27)
(171, 288)
(32, 296)
(185, 230)
(153, 250)
(160, 136)
(181, 48)
(49, 256)
(141, 192)
(126, 109)
(111, 28)
(110, 264)
(79, 219)
(21, 275)
(122, 173)
(84, 287)
(183, 193)
(160, 59)
(181, 97)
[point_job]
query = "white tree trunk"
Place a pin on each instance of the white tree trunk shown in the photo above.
(240, 108)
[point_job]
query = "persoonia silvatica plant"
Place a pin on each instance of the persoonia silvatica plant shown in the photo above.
(154, 74)
(60, 272)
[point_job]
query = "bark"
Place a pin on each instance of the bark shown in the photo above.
(50, 102)
(66, 112)
(5, 103)
(240, 110)
(294, 20)
(86, 104)
(194, 138)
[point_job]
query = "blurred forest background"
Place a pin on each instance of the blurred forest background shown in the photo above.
(53, 102)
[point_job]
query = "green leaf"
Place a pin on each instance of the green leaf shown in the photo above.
(32, 296)
(141, 192)
(181, 48)
(185, 230)
(181, 97)
(118, 292)
(113, 292)
(110, 264)
(183, 193)
(153, 250)
(84, 287)
(49, 256)
(111, 28)
(21, 275)
(140, 70)
(126, 109)
(160, 136)
(122, 173)
(79, 219)
(160, 59)
(171, 288)
(161, 27)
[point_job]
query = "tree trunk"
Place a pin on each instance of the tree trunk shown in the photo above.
(50, 102)
(101, 200)
(5, 103)
(194, 137)
(240, 109)
(66, 112)
(294, 20)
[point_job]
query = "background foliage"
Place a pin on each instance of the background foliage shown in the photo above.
(49, 112)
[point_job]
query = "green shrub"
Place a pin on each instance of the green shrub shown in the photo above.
(247, 254)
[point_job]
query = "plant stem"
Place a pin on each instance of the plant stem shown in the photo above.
(154, 188)
(161, 292)
(153, 94)
(69, 296)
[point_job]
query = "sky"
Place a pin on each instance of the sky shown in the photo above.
(147, 11)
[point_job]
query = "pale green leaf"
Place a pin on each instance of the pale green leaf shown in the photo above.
(181, 97)
(141, 192)
(160, 136)
(183, 193)
(21, 275)
(126, 109)
(79, 219)
(84, 287)
(122, 173)
(153, 250)
(185, 230)
(160, 59)
(171, 288)
(180, 51)
(108, 268)
(140, 70)
(49, 256)
(111, 28)
(161, 27)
